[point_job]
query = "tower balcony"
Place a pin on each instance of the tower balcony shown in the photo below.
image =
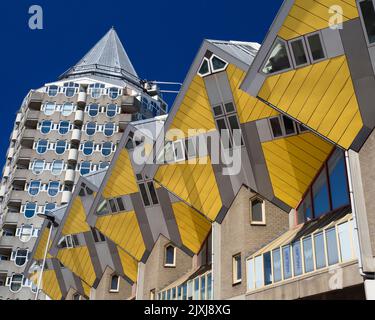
(73, 155)
(6, 171)
(35, 100)
(79, 116)
(66, 197)
(82, 98)
(70, 175)
(76, 135)
(11, 153)
(130, 104)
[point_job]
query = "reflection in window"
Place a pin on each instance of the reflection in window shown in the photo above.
(338, 180)
(42, 146)
(49, 207)
(34, 188)
(258, 272)
(276, 259)
(26, 233)
(320, 255)
(320, 195)
(297, 258)
(257, 211)
(205, 68)
(218, 64)
(113, 93)
(368, 14)
(16, 283)
(103, 165)
(67, 109)
(316, 47)
(331, 239)
(308, 254)
(344, 240)
(52, 91)
(57, 167)
(49, 108)
(267, 268)
(38, 167)
(299, 53)
(21, 257)
(53, 188)
(287, 262)
(278, 60)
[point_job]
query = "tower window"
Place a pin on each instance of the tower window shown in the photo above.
(16, 283)
(42, 146)
(299, 52)
(93, 110)
(85, 168)
(109, 129)
(111, 110)
(107, 149)
(91, 128)
(115, 283)
(60, 147)
(46, 127)
(258, 215)
(20, 257)
(26, 232)
(34, 188)
(57, 167)
(53, 188)
(88, 148)
(49, 108)
(170, 256)
(64, 127)
(204, 70)
(368, 18)
(67, 109)
(113, 93)
(38, 167)
(30, 210)
(52, 91)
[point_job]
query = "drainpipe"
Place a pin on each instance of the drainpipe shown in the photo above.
(365, 275)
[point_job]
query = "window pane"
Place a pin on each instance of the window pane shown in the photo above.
(204, 68)
(217, 63)
(218, 111)
(297, 258)
(320, 255)
(151, 189)
(250, 274)
(38, 167)
(196, 289)
(91, 128)
(114, 283)
(111, 110)
(299, 53)
(287, 262)
(333, 256)
(67, 109)
(316, 47)
(234, 125)
(209, 286)
(46, 127)
(64, 127)
(345, 243)
(320, 195)
(169, 255)
(308, 254)
(184, 291)
(338, 180)
(278, 59)
(60, 147)
(289, 126)
(85, 168)
(259, 272)
(237, 268)
(305, 210)
(257, 210)
(276, 127)
(57, 167)
(203, 288)
(368, 14)
(267, 268)
(146, 201)
(276, 256)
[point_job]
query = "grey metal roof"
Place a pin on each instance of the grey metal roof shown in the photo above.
(107, 57)
(244, 51)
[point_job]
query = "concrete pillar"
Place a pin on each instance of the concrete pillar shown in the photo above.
(140, 281)
(370, 289)
(216, 260)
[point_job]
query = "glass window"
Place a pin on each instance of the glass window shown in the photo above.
(30, 210)
(203, 288)
(368, 14)
(258, 268)
(333, 256)
(308, 254)
(204, 69)
(57, 167)
(53, 188)
(107, 149)
(21, 257)
(67, 109)
(320, 195)
(305, 212)
(70, 89)
(109, 129)
(209, 286)
(144, 195)
(299, 53)
(16, 283)
(61, 147)
(115, 283)
(111, 110)
(218, 64)
(276, 260)
(287, 262)
(316, 47)
(338, 180)
(96, 90)
(257, 211)
(320, 254)
(184, 291)
(179, 151)
(88, 148)
(93, 109)
(85, 168)
(34, 188)
(26, 233)
(76, 296)
(46, 127)
(297, 258)
(104, 165)
(113, 93)
(49, 108)
(49, 207)
(267, 268)
(345, 243)
(196, 289)
(170, 253)
(42, 146)
(289, 126)
(278, 60)
(91, 128)
(235, 127)
(237, 269)
(250, 274)
(152, 191)
(64, 127)
(276, 127)
(52, 91)
(169, 294)
(38, 166)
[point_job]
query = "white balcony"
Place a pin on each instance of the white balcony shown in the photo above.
(6, 172)
(82, 98)
(73, 155)
(10, 153)
(2, 190)
(76, 135)
(66, 196)
(70, 175)
(14, 135)
(19, 117)
(79, 116)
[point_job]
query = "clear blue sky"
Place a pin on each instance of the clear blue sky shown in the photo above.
(161, 38)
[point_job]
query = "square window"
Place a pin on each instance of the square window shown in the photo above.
(316, 47)
(276, 127)
(299, 52)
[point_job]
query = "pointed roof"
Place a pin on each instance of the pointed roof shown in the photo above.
(107, 58)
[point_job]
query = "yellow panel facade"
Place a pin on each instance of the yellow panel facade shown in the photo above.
(193, 227)
(194, 183)
(129, 265)
(86, 288)
(79, 262)
(40, 250)
(76, 220)
(308, 16)
(122, 180)
(50, 285)
(321, 96)
(195, 110)
(123, 229)
(293, 163)
(249, 108)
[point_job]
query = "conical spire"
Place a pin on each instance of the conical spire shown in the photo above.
(107, 57)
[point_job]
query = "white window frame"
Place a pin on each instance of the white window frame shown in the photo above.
(306, 50)
(209, 68)
(15, 256)
(71, 111)
(49, 188)
(258, 223)
(175, 146)
(44, 108)
(170, 265)
(269, 55)
(10, 282)
(312, 61)
(118, 284)
(33, 166)
(235, 280)
(39, 189)
(212, 66)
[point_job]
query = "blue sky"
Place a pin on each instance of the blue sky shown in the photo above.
(161, 38)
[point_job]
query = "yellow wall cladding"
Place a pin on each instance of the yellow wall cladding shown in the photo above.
(123, 229)
(293, 163)
(321, 96)
(86, 288)
(129, 265)
(50, 285)
(249, 108)
(307, 16)
(40, 250)
(76, 220)
(122, 180)
(194, 183)
(195, 110)
(193, 227)
(79, 262)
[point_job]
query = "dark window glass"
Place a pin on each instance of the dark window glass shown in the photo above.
(91, 128)
(333, 255)
(229, 107)
(30, 210)
(42, 146)
(368, 14)
(297, 258)
(299, 53)
(238, 267)
(120, 204)
(173, 293)
(217, 63)
(46, 127)
(184, 291)
(204, 68)
(64, 127)
(190, 148)
(146, 201)
(276, 257)
(223, 130)
(95, 235)
(338, 180)
(169, 255)
(114, 283)
(109, 129)
(152, 191)
(257, 210)
(60, 147)
(111, 110)
(85, 168)
(107, 149)
(316, 47)
(289, 126)
(203, 288)
(320, 195)
(113, 205)
(308, 254)
(305, 210)
(93, 110)
(234, 125)
(276, 127)
(320, 255)
(267, 268)
(218, 111)
(278, 59)
(88, 148)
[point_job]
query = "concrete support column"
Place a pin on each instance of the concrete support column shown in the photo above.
(140, 281)
(216, 260)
